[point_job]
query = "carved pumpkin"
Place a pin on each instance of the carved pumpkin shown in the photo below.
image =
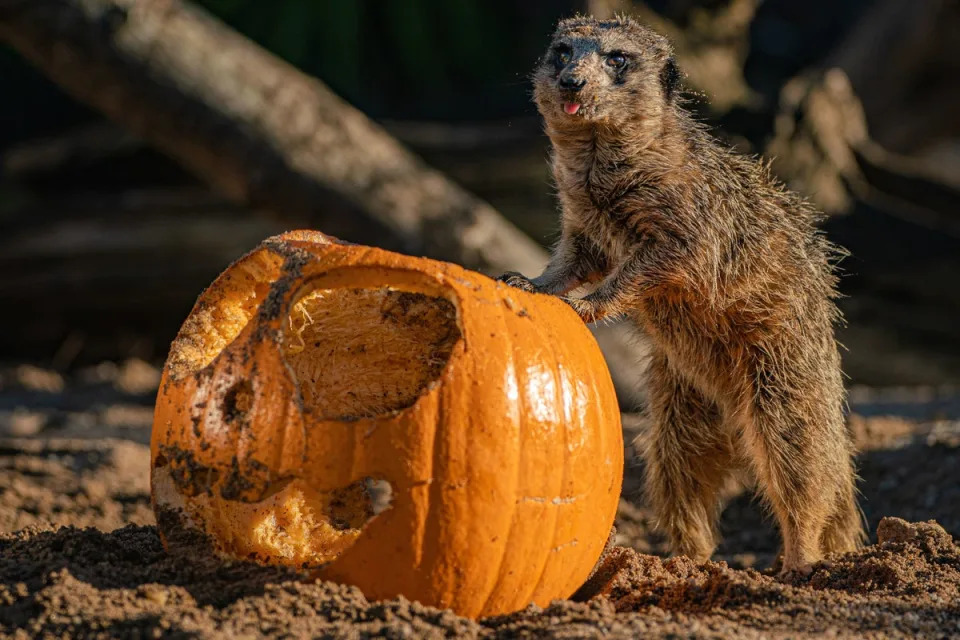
(396, 423)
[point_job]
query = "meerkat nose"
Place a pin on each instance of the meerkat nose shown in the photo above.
(571, 107)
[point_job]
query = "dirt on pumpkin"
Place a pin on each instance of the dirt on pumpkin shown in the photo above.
(79, 556)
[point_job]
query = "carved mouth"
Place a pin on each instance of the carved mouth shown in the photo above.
(571, 108)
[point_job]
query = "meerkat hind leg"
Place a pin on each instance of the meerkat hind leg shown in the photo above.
(844, 528)
(797, 479)
(689, 460)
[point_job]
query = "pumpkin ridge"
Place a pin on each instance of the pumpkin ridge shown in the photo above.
(548, 559)
(422, 525)
(557, 345)
(431, 528)
(600, 414)
(508, 538)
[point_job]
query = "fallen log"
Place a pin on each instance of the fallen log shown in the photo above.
(267, 135)
(822, 147)
(256, 128)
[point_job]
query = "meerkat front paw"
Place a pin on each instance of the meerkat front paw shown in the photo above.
(583, 308)
(517, 281)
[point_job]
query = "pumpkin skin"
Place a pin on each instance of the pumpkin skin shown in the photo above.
(502, 460)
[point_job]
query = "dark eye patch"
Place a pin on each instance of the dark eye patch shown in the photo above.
(562, 54)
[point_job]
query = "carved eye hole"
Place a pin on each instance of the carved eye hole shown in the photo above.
(616, 60)
(564, 54)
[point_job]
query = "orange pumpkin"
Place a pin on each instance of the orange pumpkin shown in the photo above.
(396, 423)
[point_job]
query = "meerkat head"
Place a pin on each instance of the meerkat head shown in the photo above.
(604, 71)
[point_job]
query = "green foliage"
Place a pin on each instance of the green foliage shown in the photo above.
(413, 43)
(423, 59)
(338, 46)
(401, 57)
(292, 27)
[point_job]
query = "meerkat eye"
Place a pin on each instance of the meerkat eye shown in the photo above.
(616, 60)
(564, 54)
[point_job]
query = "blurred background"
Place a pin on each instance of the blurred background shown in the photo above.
(106, 241)
(145, 144)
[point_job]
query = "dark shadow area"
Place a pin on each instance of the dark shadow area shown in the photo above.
(129, 558)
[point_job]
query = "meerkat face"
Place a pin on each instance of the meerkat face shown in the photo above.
(604, 71)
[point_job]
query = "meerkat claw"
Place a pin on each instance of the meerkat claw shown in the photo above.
(517, 281)
(802, 571)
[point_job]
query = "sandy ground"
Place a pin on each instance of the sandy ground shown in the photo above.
(79, 556)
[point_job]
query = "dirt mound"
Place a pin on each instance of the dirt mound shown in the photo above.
(74, 455)
(908, 583)
(83, 582)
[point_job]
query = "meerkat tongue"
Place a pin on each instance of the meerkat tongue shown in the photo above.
(571, 107)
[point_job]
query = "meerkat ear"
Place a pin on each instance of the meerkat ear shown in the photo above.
(670, 78)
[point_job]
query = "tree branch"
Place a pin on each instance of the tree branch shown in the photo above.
(265, 134)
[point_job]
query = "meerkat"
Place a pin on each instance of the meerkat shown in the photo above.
(724, 271)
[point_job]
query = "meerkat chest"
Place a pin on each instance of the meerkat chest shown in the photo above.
(692, 341)
(599, 180)
(602, 234)
(595, 218)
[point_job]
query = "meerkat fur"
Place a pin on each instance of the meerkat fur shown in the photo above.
(723, 270)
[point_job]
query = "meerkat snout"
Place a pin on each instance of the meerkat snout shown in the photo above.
(570, 81)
